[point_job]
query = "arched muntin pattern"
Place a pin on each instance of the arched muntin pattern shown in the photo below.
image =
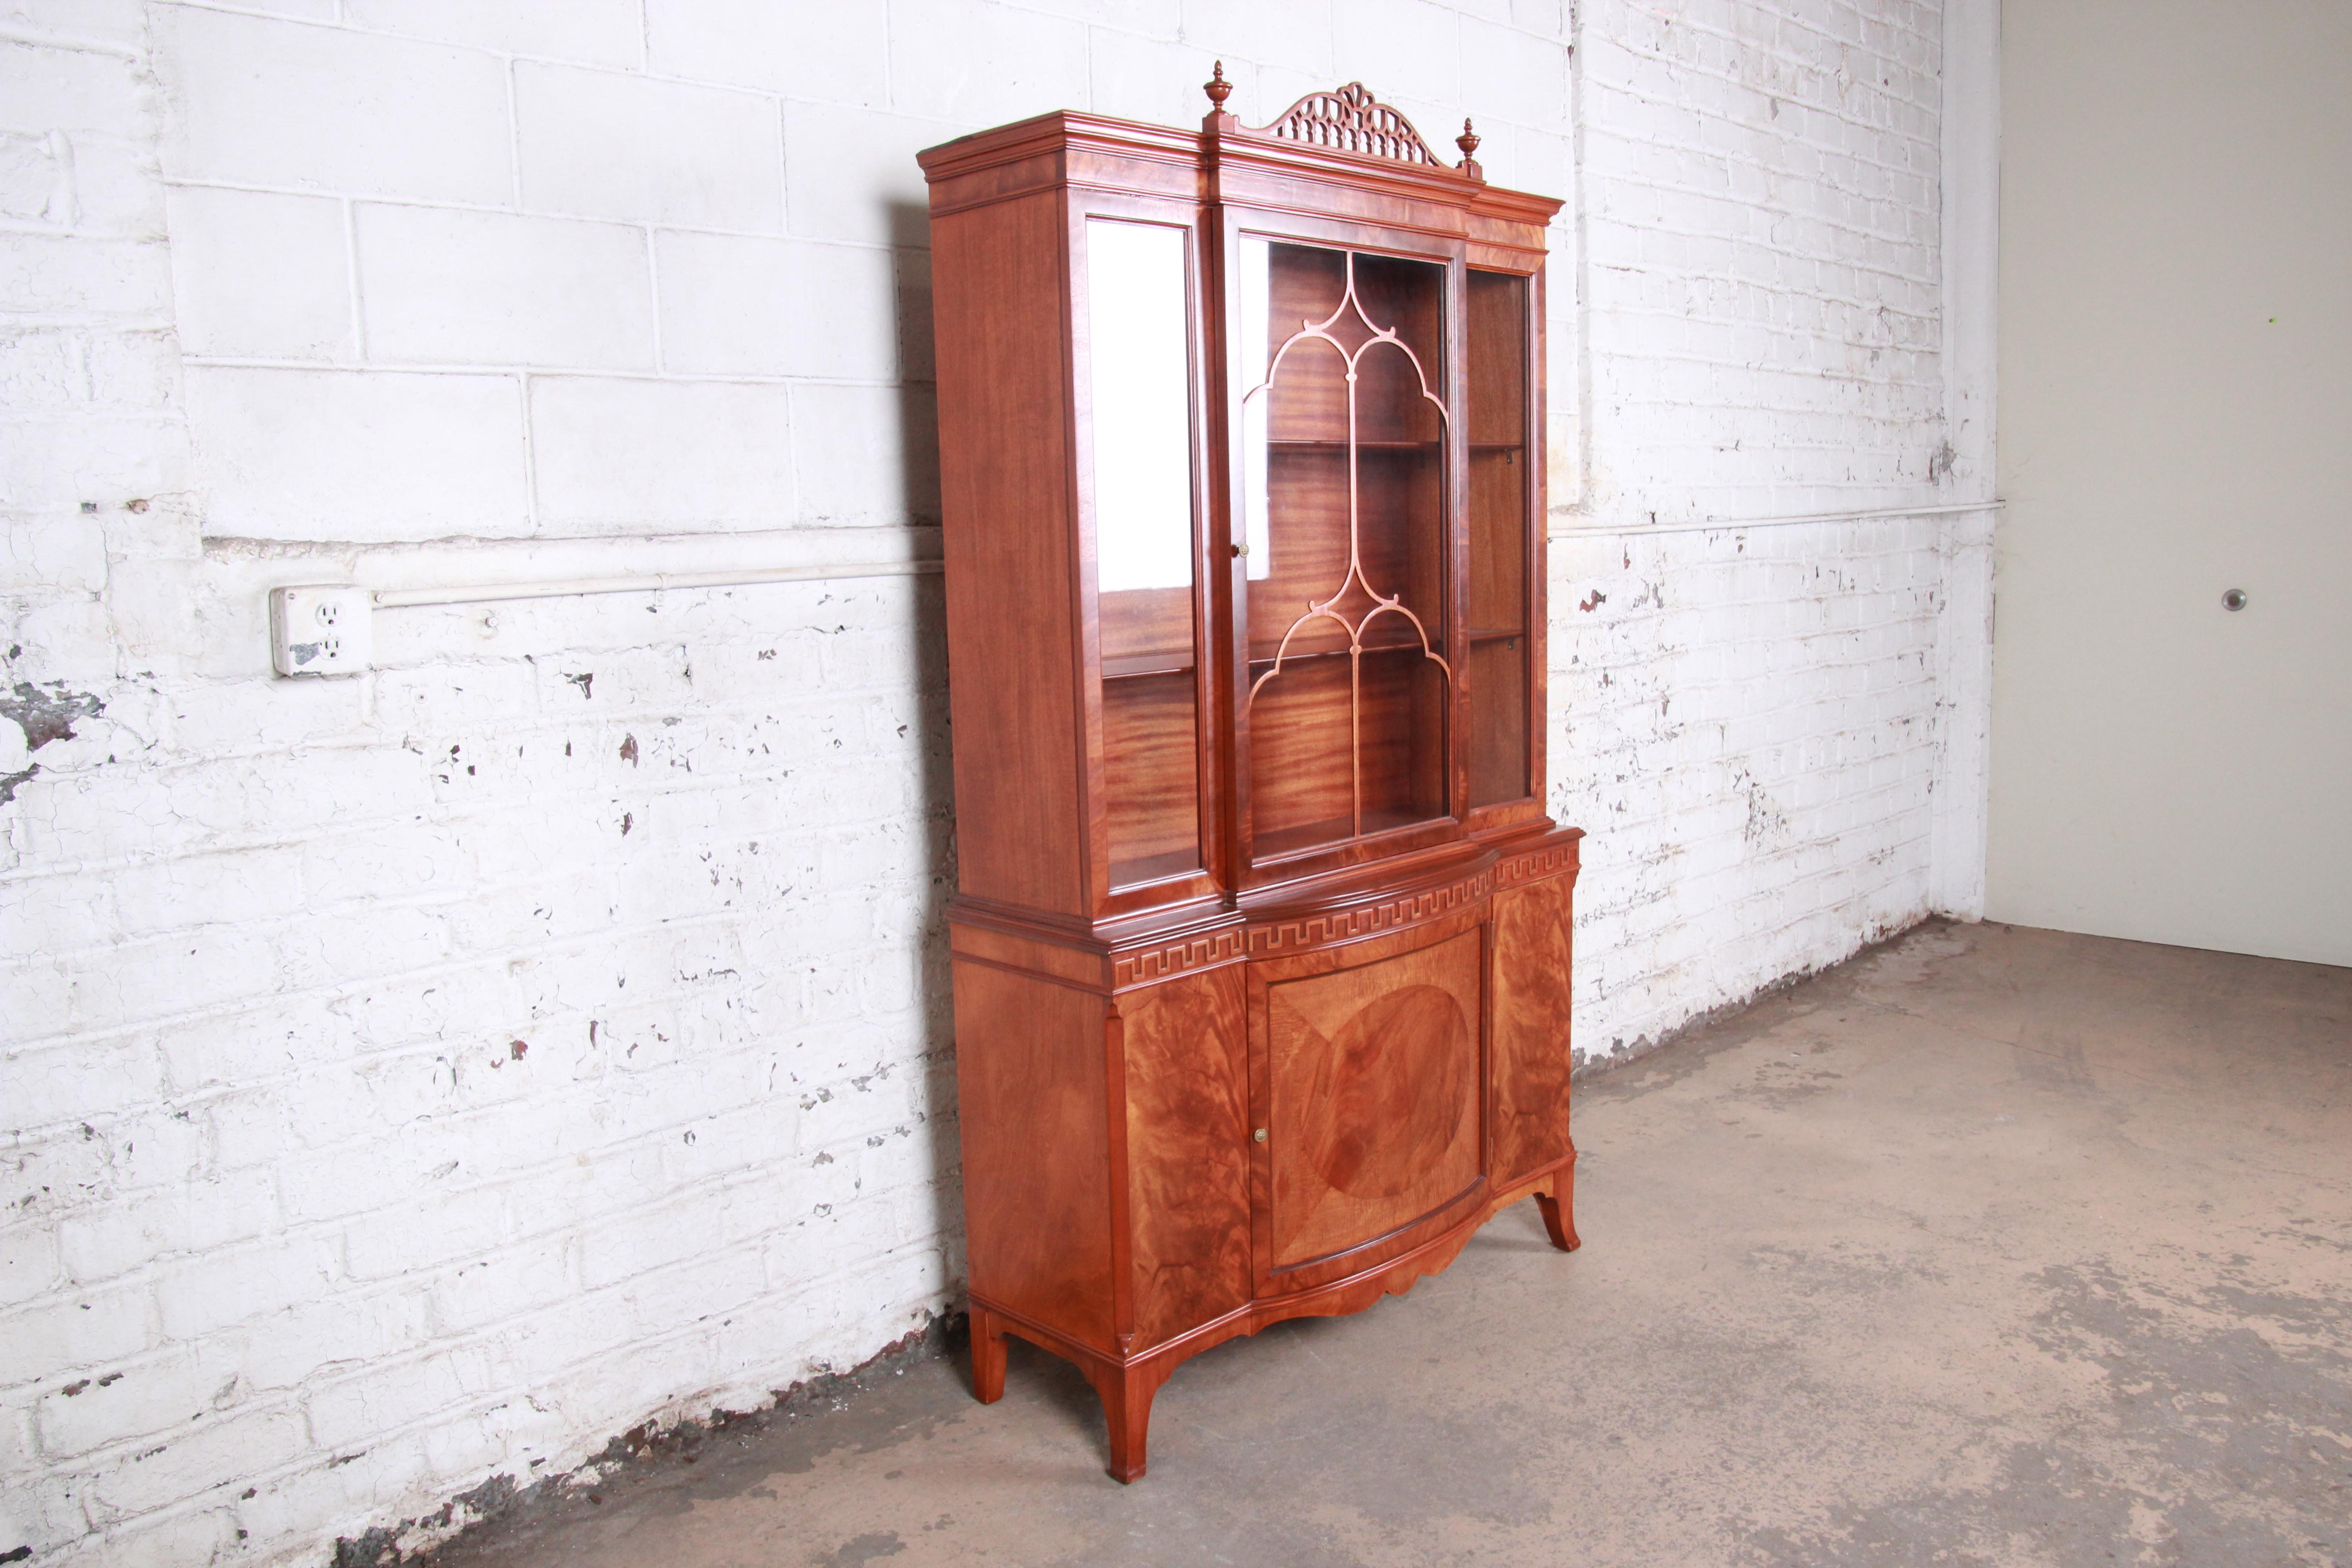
(1325, 609)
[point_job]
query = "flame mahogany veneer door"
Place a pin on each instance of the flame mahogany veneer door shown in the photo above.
(1372, 1076)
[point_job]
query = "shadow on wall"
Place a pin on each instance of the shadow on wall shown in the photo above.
(910, 224)
(917, 378)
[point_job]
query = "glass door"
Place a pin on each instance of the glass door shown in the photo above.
(1503, 489)
(1341, 361)
(1139, 293)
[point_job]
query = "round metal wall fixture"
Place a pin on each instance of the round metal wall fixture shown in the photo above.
(2235, 599)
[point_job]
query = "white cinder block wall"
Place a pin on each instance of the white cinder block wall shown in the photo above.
(413, 1081)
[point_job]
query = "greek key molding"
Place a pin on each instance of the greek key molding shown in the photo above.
(1159, 963)
(1534, 865)
(1162, 961)
(1346, 925)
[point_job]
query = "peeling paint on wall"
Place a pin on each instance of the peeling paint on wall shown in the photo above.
(42, 717)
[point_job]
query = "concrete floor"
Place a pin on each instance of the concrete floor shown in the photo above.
(1992, 1245)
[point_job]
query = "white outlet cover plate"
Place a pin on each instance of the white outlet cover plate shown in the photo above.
(320, 629)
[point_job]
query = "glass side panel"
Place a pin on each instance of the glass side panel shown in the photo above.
(1341, 354)
(1139, 374)
(1499, 645)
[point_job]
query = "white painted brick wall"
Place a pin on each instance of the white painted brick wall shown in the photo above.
(1753, 723)
(418, 1079)
(1747, 724)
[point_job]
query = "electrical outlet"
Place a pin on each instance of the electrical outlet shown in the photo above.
(321, 630)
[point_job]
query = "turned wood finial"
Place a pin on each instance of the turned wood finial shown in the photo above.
(1468, 141)
(1218, 89)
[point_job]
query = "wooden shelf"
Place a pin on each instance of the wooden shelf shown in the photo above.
(1136, 666)
(1261, 662)
(1341, 445)
(1297, 444)
(1494, 634)
(1284, 841)
(1293, 445)
(1153, 867)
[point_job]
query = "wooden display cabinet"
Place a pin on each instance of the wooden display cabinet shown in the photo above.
(1261, 944)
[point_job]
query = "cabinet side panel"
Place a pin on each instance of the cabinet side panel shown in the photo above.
(1037, 1152)
(1530, 1044)
(1188, 1142)
(1001, 323)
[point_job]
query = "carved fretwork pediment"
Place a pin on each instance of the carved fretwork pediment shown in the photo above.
(1350, 120)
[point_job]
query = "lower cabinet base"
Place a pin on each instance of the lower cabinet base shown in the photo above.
(1127, 1384)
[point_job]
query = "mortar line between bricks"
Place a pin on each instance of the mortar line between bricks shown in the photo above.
(1878, 421)
(1854, 241)
(493, 368)
(1683, 848)
(296, 1232)
(76, 43)
(30, 320)
(1638, 391)
(920, 1070)
(1929, 150)
(1610, 898)
(1724, 325)
(1682, 108)
(36, 229)
(1697, 25)
(514, 57)
(296, 1403)
(222, 845)
(484, 806)
(1643, 661)
(480, 1403)
(1759, 403)
(1652, 270)
(338, 991)
(1753, 241)
(205, 1096)
(719, 1185)
(1690, 843)
(1698, 732)
(435, 204)
(1638, 311)
(1822, 65)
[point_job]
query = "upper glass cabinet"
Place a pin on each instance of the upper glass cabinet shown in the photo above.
(1342, 455)
(1139, 341)
(1241, 438)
